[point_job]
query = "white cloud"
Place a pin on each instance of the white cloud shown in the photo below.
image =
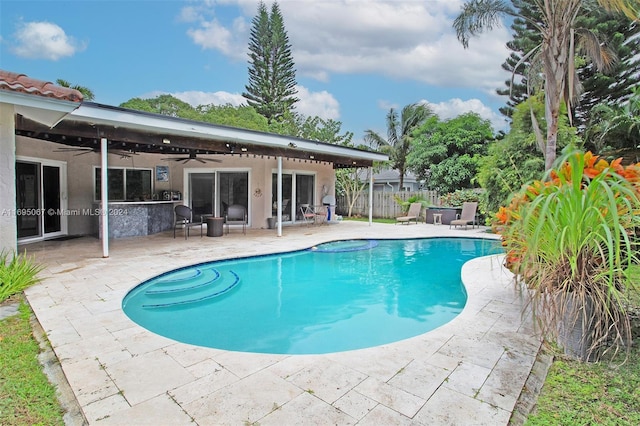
(44, 40)
(322, 104)
(195, 98)
(406, 40)
(455, 107)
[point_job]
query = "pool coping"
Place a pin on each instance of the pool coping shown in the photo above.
(472, 368)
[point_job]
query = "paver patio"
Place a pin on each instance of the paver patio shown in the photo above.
(468, 371)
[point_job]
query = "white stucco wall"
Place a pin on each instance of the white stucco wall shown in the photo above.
(8, 227)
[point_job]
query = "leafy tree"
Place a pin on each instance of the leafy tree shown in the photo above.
(351, 182)
(614, 129)
(163, 104)
(615, 86)
(86, 92)
(400, 134)
(555, 56)
(242, 116)
(446, 153)
(515, 160)
(272, 76)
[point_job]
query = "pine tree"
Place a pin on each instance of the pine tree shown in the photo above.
(272, 76)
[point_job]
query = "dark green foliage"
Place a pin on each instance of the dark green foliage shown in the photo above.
(516, 159)
(613, 86)
(272, 76)
(163, 104)
(446, 153)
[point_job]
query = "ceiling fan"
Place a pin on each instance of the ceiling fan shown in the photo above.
(81, 150)
(192, 156)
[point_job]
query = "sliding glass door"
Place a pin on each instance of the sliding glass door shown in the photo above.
(297, 189)
(40, 198)
(212, 192)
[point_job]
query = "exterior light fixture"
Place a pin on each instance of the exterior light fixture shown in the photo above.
(166, 140)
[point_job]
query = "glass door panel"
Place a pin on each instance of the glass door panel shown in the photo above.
(304, 191)
(28, 199)
(51, 199)
(201, 193)
(287, 195)
(234, 189)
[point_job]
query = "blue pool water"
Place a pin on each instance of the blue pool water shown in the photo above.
(333, 297)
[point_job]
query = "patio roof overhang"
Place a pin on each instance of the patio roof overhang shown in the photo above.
(143, 132)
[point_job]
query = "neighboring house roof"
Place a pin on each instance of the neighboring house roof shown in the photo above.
(389, 175)
(21, 83)
(83, 124)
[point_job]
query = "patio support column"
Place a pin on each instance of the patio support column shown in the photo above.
(370, 195)
(279, 196)
(104, 197)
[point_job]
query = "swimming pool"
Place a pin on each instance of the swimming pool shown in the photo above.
(333, 297)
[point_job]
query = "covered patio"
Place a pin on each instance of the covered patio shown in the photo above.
(471, 370)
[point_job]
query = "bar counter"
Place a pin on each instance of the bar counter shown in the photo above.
(137, 218)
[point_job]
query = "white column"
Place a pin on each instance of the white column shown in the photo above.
(8, 223)
(104, 196)
(279, 198)
(370, 196)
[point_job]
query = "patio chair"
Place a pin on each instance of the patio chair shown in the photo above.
(307, 214)
(412, 214)
(184, 217)
(467, 216)
(236, 215)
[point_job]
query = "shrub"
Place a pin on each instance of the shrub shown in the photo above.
(571, 239)
(404, 204)
(17, 272)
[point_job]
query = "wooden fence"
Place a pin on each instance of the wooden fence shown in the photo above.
(384, 203)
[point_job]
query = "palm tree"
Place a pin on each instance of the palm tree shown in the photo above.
(554, 57)
(399, 134)
(87, 93)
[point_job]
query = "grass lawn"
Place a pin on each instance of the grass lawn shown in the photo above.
(603, 393)
(26, 395)
(366, 219)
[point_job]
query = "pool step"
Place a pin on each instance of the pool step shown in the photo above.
(193, 292)
(193, 281)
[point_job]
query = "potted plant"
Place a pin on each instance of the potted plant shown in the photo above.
(570, 240)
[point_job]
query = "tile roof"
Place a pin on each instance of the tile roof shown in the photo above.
(21, 83)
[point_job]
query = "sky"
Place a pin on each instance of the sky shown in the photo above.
(354, 59)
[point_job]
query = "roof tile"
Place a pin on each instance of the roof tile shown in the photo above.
(21, 83)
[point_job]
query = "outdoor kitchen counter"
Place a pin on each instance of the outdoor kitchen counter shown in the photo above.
(137, 218)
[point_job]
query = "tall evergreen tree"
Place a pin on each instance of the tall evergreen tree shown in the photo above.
(556, 54)
(620, 35)
(272, 76)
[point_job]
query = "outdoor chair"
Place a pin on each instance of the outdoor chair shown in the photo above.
(184, 217)
(412, 214)
(467, 216)
(236, 215)
(307, 214)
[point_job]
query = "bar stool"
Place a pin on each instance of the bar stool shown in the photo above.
(437, 218)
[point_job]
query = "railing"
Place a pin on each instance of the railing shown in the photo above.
(384, 203)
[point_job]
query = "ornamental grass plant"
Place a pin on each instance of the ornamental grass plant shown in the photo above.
(17, 272)
(570, 239)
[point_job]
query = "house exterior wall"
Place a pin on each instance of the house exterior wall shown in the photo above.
(8, 226)
(80, 178)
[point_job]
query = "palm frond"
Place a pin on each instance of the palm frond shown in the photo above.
(478, 16)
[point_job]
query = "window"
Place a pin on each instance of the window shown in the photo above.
(125, 184)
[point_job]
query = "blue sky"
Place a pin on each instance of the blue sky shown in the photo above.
(355, 59)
